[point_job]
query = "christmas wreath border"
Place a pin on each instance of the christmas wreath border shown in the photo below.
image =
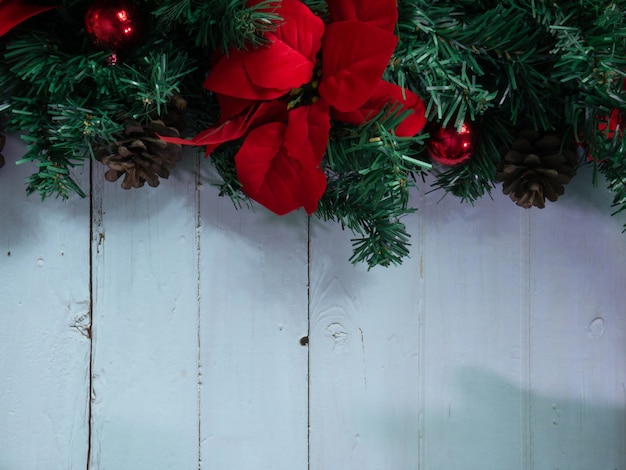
(321, 105)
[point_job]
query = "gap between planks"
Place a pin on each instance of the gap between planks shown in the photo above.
(308, 345)
(91, 306)
(198, 186)
(525, 339)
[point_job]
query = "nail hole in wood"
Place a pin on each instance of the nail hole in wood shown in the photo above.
(304, 340)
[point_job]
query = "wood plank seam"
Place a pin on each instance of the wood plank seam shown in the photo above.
(198, 307)
(91, 300)
(421, 311)
(308, 335)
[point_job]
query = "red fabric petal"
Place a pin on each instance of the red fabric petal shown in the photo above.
(354, 57)
(256, 155)
(274, 177)
(388, 93)
(229, 77)
(271, 71)
(267, 175)
(235, 127)
(231, 106)
(306, 139)
(13, 12)
(307, 133)
(414, 122)
(314, 184)
(381, 13)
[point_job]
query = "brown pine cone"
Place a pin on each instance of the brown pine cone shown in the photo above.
(141, 156)
(3, 140)
(536, 167)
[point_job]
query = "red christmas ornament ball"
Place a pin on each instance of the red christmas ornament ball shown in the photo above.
(113, 24)
(448, 146)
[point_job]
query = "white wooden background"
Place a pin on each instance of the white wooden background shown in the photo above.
(161, 329)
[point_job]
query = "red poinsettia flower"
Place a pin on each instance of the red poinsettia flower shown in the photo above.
(13, 12)
(281, 96)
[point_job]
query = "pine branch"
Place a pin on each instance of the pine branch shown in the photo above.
(77, 101)
(370, 172)
(616, 182)
(220, 24)
(53, 176)
(223, 159)
(150, 84)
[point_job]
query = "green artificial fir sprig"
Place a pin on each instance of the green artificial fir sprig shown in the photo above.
(370, 175)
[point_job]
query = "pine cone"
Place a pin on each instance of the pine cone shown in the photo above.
(3, 141)
(142, 157)
(536, 167)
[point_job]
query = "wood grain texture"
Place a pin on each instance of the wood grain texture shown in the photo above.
(44, 325)
(473, 369)
(365, 346)
(253, 312)
(145, 329)
(578, 332)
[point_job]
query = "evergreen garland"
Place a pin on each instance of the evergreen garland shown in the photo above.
(504, 65)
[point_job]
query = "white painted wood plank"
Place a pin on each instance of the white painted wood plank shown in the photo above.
(44, 324)
(577, 315)
(474, 283)
(365, 364)
(253, 301)
(145, 328)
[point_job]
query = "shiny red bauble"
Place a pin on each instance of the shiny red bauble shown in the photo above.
(449, 146)
(113, 25)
